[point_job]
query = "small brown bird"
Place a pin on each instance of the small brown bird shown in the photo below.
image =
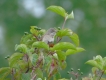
(48, 37)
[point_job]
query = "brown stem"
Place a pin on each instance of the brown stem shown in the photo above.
(64, 23)
(12, 72)
(34, 68)
(101, 75)
(34, 77)
(37, 38)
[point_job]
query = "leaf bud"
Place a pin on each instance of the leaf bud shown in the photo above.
(25, 33)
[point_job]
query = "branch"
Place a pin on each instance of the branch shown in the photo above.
(36, 37)
(34, 68)
(101, 75)
(64, 23)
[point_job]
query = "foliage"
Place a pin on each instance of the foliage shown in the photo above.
(98, 70)
(36, 59)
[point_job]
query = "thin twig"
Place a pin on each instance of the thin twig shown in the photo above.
(34, 68)
(36, 37)
(64, 23)
(34, 77)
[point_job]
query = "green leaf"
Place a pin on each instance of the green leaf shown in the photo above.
(71, 15)
(98, 59)
(94, 69)
(18, 75)
(22, 48)
(14, 58)
(33, 58)
(42, 31)
(39, 79)
(64, 32)
(63, 79)
(39, 73)
(48, 60)
(71, 51)
(63, 46)
(40, 44)
(25, 38)
(22, 65)
(68, 32)
(104, 63)
(34, 30)
(61, 55)
(6, 79)
(57, 76)
(4, 72)
(26, 76)
(63, 64)
(55, 56)
(57, 9)
(74, 37)
(92, 62)
(95, 64)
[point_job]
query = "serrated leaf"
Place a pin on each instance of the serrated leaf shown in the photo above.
(26, 76)
(14, 58)
(40, 44)
(57, 9)
(74, 37)
(71, 51)
(63, 46)
(4, 72)
(22, 48)
(71, 15)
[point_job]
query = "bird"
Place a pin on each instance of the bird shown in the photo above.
(48, 37)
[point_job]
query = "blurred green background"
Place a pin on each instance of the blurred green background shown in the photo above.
(16, 17)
